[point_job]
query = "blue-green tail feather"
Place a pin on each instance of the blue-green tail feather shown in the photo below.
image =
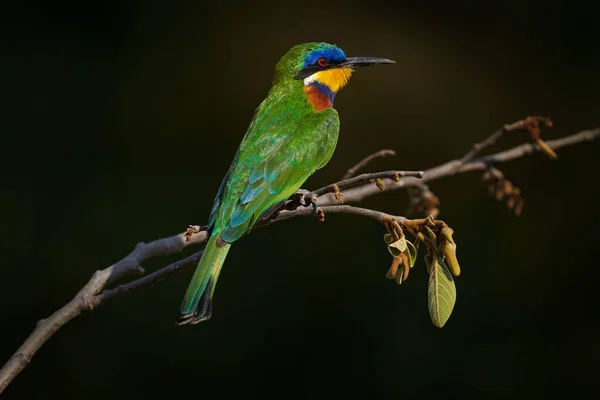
(197, 303)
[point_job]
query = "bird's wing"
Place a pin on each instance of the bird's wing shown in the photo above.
(268, 169)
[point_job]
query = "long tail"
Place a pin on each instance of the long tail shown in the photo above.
(197, 303)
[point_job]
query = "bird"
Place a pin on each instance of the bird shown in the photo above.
(293, 133)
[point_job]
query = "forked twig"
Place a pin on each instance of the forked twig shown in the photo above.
(363, 163)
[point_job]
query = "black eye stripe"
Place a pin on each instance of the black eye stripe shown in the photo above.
(315, 67)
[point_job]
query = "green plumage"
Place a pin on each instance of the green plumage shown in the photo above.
(286, 142)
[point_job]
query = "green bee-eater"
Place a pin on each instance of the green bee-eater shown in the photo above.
(293, 133)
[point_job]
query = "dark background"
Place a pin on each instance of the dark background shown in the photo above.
(119, 120)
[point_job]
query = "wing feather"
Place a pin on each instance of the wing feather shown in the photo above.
(269, 170)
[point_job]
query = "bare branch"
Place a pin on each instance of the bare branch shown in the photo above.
(456, 167)
(149, 279)
(363, 163)
(87, 299)
(393, 176)
(530, 124)
(478, 147)
(95, 292)
(306, 197)
(339, 208)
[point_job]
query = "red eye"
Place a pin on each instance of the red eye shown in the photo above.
(322, 61)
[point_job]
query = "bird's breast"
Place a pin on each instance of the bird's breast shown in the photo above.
(318, 98)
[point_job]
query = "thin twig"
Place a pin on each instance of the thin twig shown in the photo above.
(338, 208)
(478, 147)
(530, 124)
(344, 184)
(307, 198)
(149, 279)
(94, 293)
(456, 167)
(363, 163)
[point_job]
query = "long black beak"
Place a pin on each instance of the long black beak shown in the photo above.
(357, 62)
(351, 62)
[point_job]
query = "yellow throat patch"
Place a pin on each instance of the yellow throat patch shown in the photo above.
(335, 78)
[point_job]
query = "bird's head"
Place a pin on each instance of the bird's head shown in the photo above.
(323, 68)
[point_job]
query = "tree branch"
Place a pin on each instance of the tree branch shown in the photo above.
(363, 163)
(308, 197)
(457, 167)
(392, 175)
(88, 297)
(530, 124)
(95, 292)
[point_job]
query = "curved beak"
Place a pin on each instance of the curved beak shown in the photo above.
(357, 62)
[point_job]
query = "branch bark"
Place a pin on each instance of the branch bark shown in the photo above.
(363, 163)
(96, 292)
(457, 166)
(89, 296)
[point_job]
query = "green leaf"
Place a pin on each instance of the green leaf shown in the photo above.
(442, 292)
(411, 253)
(399, 246)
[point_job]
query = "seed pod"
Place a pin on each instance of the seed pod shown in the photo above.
(449, 250)
(446, 233)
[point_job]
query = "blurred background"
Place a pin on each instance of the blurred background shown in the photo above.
(116, 114)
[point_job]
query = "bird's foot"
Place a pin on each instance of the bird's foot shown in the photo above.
(301, 192)
(301, 197)
(307, 198)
